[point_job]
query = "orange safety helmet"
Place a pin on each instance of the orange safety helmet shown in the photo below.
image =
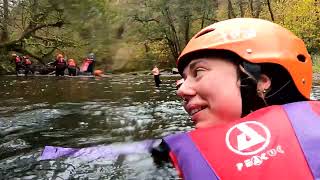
(256, 41)
(59, 56)
(71, 62)
(98, 72)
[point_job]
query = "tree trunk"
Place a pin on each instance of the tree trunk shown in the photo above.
(255, 11)
(4, 36)
(231, 13)
(173, 33)
(241, 8)
(251, 7)
(35, 16)
(270, 10)
(187, 28)
(258, 9)
(215, 4)
(146, 47)
(172, 48)
(203, 19)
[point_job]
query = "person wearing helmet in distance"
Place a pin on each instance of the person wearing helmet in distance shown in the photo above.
(246, 86)
(60, 65)
(72, 67)
(27, 65)
(18, 62)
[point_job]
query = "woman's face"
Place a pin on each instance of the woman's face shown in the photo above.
(211, 91)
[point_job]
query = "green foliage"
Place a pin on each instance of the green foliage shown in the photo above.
(316, 63)
(135, 34)
(164, 27)
(302, 18)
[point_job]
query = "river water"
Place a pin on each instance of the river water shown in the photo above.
(85, 112)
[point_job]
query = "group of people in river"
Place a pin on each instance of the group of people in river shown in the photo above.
(60, 64)
(246, 85)
(22, 63)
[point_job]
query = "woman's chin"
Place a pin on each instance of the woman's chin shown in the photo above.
(203, 124)
(201, 120)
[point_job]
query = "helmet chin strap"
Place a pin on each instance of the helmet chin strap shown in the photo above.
(282, 87)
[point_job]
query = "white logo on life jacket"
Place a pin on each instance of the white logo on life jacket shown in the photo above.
(248, 138)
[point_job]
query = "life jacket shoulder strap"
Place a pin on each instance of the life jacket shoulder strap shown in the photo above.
(181, 145)
(307, 130)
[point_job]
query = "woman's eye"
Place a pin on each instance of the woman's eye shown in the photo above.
(198, 71)
(179, 83)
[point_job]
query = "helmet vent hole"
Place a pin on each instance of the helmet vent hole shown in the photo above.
(204, 32)
(301, 58)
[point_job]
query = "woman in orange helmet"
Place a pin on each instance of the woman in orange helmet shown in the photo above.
(233, 72)
(272, 66)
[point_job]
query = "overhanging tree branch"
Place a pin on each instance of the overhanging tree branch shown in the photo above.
(136, 18)
(28, 32)
(47, 39)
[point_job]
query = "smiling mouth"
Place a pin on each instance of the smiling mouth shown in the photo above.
(194, 111)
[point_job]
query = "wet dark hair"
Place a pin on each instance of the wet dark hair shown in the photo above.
(282, 90)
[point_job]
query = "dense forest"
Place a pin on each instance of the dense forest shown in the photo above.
(132, 35)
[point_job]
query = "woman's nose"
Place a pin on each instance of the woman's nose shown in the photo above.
(186, 90)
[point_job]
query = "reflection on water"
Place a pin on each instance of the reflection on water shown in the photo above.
(316, 90)
(84, 112)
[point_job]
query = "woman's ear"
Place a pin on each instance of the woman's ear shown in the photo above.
(263, 85)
